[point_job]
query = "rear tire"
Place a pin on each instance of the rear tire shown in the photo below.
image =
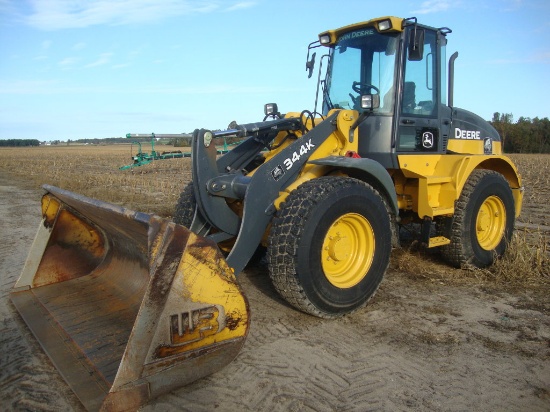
(329, 246)
(483, 223)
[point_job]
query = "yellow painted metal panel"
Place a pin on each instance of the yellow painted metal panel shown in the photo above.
(471, 146)
(434, 182)
(336, 33)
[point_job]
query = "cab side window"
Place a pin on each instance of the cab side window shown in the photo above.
(419, 93)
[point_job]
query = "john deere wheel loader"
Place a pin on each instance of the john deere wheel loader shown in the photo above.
(129, 305)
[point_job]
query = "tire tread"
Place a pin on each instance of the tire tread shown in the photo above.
(287, 227)
(458, 252)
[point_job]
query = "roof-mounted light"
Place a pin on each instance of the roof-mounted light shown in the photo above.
(324, 38)
(384, 25)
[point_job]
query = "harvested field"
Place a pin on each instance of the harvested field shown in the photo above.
(535, 170)
(94, 171)
(433, 338)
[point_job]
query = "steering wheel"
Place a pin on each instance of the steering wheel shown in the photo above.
(362, 88)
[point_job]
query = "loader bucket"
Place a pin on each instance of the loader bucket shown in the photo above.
(127, 305)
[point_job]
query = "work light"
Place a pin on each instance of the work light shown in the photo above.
(324, 39)
(384, 25)
(370, 101)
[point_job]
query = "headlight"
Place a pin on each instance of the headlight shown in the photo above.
(270, 109)
(384, 25)
(370, 101)
(324, 39)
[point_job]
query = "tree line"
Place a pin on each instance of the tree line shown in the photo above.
(524, 136)
(19, 142)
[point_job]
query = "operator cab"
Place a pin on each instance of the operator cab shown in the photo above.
(401, 65)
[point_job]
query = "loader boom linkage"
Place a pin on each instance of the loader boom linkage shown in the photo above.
(213, 184)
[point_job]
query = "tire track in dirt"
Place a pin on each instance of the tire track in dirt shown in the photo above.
(417, 346)
(399, 354)
(28, 380)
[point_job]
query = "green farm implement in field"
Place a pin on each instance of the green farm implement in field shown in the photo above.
(142, 158)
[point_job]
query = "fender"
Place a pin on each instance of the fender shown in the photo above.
(367, 170)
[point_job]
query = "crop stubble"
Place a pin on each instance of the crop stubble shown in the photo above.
(93, 171)
(424, 343)
(154, 188)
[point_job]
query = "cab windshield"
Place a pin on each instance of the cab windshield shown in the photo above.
(362, 62)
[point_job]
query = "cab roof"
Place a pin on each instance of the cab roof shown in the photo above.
(387, 24)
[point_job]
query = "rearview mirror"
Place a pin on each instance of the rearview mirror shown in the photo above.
(416, 45)
(310, 65)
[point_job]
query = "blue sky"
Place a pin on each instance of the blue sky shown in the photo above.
(72, 69)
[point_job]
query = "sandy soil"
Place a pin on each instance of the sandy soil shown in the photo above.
(419, 345)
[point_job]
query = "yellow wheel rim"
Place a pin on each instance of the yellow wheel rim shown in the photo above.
(348, 250)
(491, 223)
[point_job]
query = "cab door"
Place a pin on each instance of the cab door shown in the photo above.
(418, 126)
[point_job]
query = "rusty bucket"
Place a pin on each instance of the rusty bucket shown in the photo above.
(127, 305)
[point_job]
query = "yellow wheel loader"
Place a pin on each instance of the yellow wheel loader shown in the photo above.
(129, 305)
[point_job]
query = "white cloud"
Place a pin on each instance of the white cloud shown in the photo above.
(540, 56)
(64, 14)
(511, 5)
(6, 6)
(62, 86)
(67, 62)
(28, 86)
(241, 5)
(79, 46)
(104, 58)
(433, 6)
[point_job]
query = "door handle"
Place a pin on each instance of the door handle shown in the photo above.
(407, 121)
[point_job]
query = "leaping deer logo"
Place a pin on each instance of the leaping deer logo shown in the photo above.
(427, 140)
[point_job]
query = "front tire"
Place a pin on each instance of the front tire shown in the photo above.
(329, 246)
(483, 223)
(185, 208)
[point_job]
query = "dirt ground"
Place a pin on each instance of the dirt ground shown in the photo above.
(420, 345)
